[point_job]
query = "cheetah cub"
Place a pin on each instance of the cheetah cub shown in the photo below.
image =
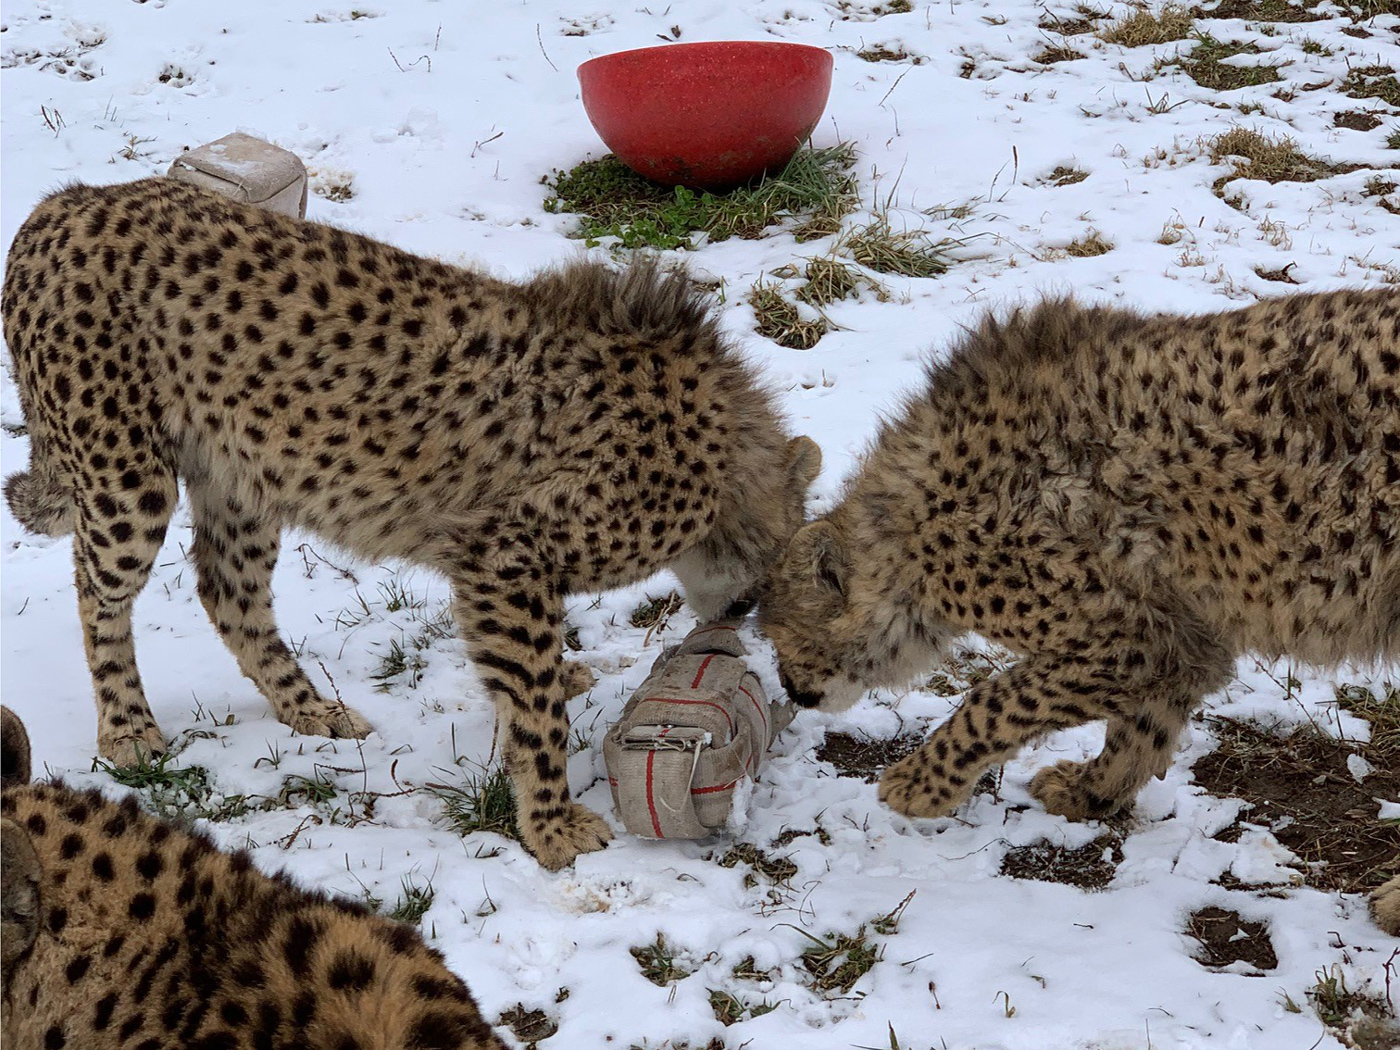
(1128, 502)
(575, 432)
(121, 930)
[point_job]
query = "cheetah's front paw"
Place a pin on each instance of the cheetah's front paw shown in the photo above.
(1062, 791)
(1385, 906)
(122, 747)
(329, 719)
(912, 788)
(578, 679)
(556, 843)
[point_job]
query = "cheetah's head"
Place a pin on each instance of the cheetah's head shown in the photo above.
(836, 634)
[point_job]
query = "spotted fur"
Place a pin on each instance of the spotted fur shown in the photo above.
(1129, 503)
(121, 930)
(571, 433)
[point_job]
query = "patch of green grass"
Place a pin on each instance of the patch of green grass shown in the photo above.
(835, 963)
(1373, 82)
(812, 193)
(310, 791)
(1392, 139)
(396, 662)
(658, 962)
(483, 802)
(829, 279)
(413, 902)
(1206, 65)
(1314, 47)
(181, 793)
(775, 869)
(730, 1009)
(908, 253)
(1144, 26)
(1357, 1019)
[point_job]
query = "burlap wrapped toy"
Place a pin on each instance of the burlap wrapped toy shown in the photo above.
(248, 170)
(691, 733)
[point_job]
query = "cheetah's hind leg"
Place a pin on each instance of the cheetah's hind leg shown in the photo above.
(1385, 906)
(235, 551)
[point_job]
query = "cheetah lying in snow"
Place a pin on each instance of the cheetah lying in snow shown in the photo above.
(122, 930)
(572, 433)
(1128, 502)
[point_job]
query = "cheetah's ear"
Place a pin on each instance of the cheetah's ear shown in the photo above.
(804, 460)
(15, 763)
(20, 903)
(820, 546)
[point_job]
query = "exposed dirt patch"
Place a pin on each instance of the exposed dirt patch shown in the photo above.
(1069, 26)
(1356, 120)
(1261, 11)
(530, 1026)
(1226, 938)
(1300, 787)
(1089, 867)
(858, 756)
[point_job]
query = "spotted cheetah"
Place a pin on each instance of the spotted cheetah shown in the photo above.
(121, 930)
(574, 432)
(1128, 502)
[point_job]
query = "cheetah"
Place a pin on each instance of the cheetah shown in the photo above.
(122, 930)
(574, 432)
(1128, 502)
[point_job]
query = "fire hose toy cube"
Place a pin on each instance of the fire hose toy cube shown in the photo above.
(248, 170)
(692, 733)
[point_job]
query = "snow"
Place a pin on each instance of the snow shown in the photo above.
(444, 117)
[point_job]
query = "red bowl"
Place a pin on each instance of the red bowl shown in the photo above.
(707, 115)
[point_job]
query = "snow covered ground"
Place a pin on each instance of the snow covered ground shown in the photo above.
(441, 118)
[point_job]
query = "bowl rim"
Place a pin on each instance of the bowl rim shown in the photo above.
(691, 45)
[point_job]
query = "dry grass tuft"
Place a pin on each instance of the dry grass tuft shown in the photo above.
(1066, 176)
(781, 321)
(1053, 53)
(1145, 26)
(1266, 158)
(878, 246)
(1091, 244)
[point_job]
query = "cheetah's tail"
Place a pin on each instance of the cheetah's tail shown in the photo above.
(40, 501)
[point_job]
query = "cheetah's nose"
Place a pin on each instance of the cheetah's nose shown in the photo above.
(798, 696)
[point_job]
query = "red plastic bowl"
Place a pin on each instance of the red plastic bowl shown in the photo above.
(707, 115)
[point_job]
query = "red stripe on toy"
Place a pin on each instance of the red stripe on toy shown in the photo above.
(762, 714)
(694, 791)
(651, 802)
(701, 673)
